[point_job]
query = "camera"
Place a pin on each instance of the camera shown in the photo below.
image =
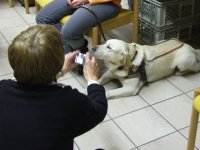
(80, 58)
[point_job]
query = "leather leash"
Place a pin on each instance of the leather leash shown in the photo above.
(97, 19)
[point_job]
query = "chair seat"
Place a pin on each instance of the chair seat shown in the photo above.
(196, 103)
(122, 14)
(43, 3)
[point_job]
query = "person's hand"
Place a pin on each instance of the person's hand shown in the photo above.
(76, 3)
(68, 63)
(90, 68)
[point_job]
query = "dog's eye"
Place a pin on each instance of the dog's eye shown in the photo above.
(108, 47)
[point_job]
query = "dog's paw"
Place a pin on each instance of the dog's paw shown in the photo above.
(109, 96)
(179, 73)
(135, 68)
(101, 81)
(136, 92)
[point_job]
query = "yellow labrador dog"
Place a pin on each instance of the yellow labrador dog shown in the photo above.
(134, 65)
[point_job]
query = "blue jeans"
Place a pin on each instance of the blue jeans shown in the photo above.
(82, 20)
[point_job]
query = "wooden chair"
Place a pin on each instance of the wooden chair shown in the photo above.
(26, 4)
(10, 2)
(124, 17)
(194, 120)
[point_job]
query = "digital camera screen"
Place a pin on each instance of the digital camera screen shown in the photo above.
(80, 58)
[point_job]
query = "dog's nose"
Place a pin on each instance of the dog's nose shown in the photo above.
(94, 49)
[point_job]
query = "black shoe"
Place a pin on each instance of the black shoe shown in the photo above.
(80, 70)
(84, 49)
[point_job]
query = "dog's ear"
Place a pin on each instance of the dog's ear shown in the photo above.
(127, 60)
(123, 70)
(139, 56)
(132, 49)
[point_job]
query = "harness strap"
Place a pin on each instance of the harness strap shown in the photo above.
(141, 68)
(171, 50)
(97, 19)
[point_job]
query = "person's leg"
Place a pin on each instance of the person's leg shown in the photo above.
(82, 20)
(53, 12)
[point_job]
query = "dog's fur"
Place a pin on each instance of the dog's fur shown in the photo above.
(123, 60)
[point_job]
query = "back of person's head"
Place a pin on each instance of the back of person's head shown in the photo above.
(36, 55)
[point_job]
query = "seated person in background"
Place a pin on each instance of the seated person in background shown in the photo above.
(81, 20)
(37, 113)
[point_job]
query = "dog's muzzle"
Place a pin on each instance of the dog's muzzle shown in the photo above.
(94, 49)
(91, 51)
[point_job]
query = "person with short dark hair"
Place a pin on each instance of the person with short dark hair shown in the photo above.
(36, 113)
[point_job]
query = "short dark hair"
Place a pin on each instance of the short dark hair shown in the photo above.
(36, 55)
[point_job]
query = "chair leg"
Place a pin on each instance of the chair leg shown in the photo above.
(10, 2)
(135, 21)
(193, 124)
(96, 36)
(26, 4)
(37, 6)
(193, 129)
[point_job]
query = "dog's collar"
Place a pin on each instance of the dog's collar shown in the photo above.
(133, 57)
(132, 54)
(141, 69)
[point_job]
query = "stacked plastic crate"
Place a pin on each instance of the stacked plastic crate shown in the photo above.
(165, 19)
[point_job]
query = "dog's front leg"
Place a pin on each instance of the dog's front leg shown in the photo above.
(129, 87)
(106, 77)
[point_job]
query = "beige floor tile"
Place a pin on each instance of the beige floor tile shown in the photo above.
(73, 83)
(106, 118)
(122, 33)
(11, 33)
(106, 135)
(144, 126)
(185, 132)
(29, 18)
(2, 39)
(6, 76)
(66, 76)
(11, 22)
(191, 93)
(5, 66)
(76, 147)
(173, 141)
(121, 106)
(82, 81)
(3, 49)
(186, 83)
(158, 91)
(7, 13)
(176, 110)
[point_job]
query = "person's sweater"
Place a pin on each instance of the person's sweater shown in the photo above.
(47, 117)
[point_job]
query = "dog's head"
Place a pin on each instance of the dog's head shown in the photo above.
(117, 55)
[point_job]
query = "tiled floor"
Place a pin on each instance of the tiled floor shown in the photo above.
(156, 119)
